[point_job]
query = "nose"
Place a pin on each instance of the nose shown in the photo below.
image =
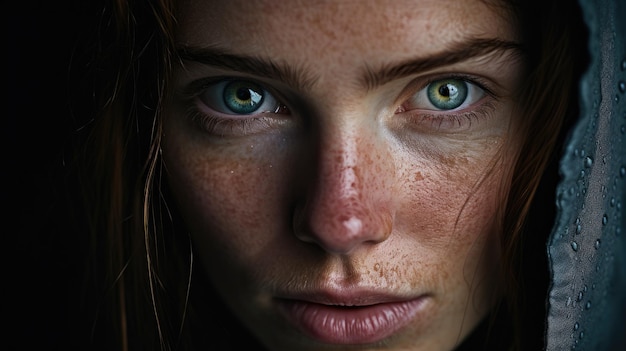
(349, 198)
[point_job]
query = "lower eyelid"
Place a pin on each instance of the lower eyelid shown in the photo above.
(227, 126)
(435, 121)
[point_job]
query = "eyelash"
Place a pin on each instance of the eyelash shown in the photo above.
(223, 124)
(452, 122)
(224, 127)
(447, 120)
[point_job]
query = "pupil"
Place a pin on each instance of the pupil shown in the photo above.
(444, 90)
(448, 90)
(243, 94)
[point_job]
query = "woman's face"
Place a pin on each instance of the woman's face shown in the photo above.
(341, 165)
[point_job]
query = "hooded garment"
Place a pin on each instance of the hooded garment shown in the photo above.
(586, 307)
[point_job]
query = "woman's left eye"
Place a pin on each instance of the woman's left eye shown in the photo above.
(444, 95)
(238, 97)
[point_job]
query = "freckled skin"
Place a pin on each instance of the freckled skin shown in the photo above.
(345, 194)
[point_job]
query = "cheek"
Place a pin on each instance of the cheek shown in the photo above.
(451, 214)
(229, 198)
(456, 194)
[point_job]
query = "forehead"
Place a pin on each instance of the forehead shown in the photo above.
(296, 29)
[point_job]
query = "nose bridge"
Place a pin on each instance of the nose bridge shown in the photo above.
(349, 203)
(340, 172)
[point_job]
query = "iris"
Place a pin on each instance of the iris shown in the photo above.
(447, 94)
(242, 97)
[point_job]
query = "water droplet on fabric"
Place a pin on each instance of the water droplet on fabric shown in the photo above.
(622, 171)
(580, 296)
(605, 219)
(612, 202)
(574, 246)
(576, 326)
(597, 244)
(579, 229)
(569, 301)
(588, 161)
(624, 65)
(588, 305)
(581, 335)
(621, 86)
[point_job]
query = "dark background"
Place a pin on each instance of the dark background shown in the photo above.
(43, 54)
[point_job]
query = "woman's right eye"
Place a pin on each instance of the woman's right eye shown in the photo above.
(234, 107)
(238, 97)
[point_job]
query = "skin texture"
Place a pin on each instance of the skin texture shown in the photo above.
(349, 189)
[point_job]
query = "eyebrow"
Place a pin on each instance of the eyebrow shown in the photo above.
(460, 52)
(265, 67)
(301, 78)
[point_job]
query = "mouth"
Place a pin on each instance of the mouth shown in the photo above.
(363, 319)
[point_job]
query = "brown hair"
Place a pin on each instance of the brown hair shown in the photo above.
(119, 173)
(555, 41)
(138, 273)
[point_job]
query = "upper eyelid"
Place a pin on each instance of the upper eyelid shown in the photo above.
(420, 83)
(286, 97)
(198, 86)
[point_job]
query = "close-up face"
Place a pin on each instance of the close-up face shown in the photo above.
(342, 166)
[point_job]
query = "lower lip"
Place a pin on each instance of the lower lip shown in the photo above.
(351, 325)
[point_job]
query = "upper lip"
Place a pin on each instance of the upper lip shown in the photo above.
(348, 297)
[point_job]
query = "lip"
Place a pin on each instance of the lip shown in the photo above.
(353, 320)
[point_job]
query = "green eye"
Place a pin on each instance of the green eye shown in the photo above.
(447, 94)
(237, 97)
(243, 97)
